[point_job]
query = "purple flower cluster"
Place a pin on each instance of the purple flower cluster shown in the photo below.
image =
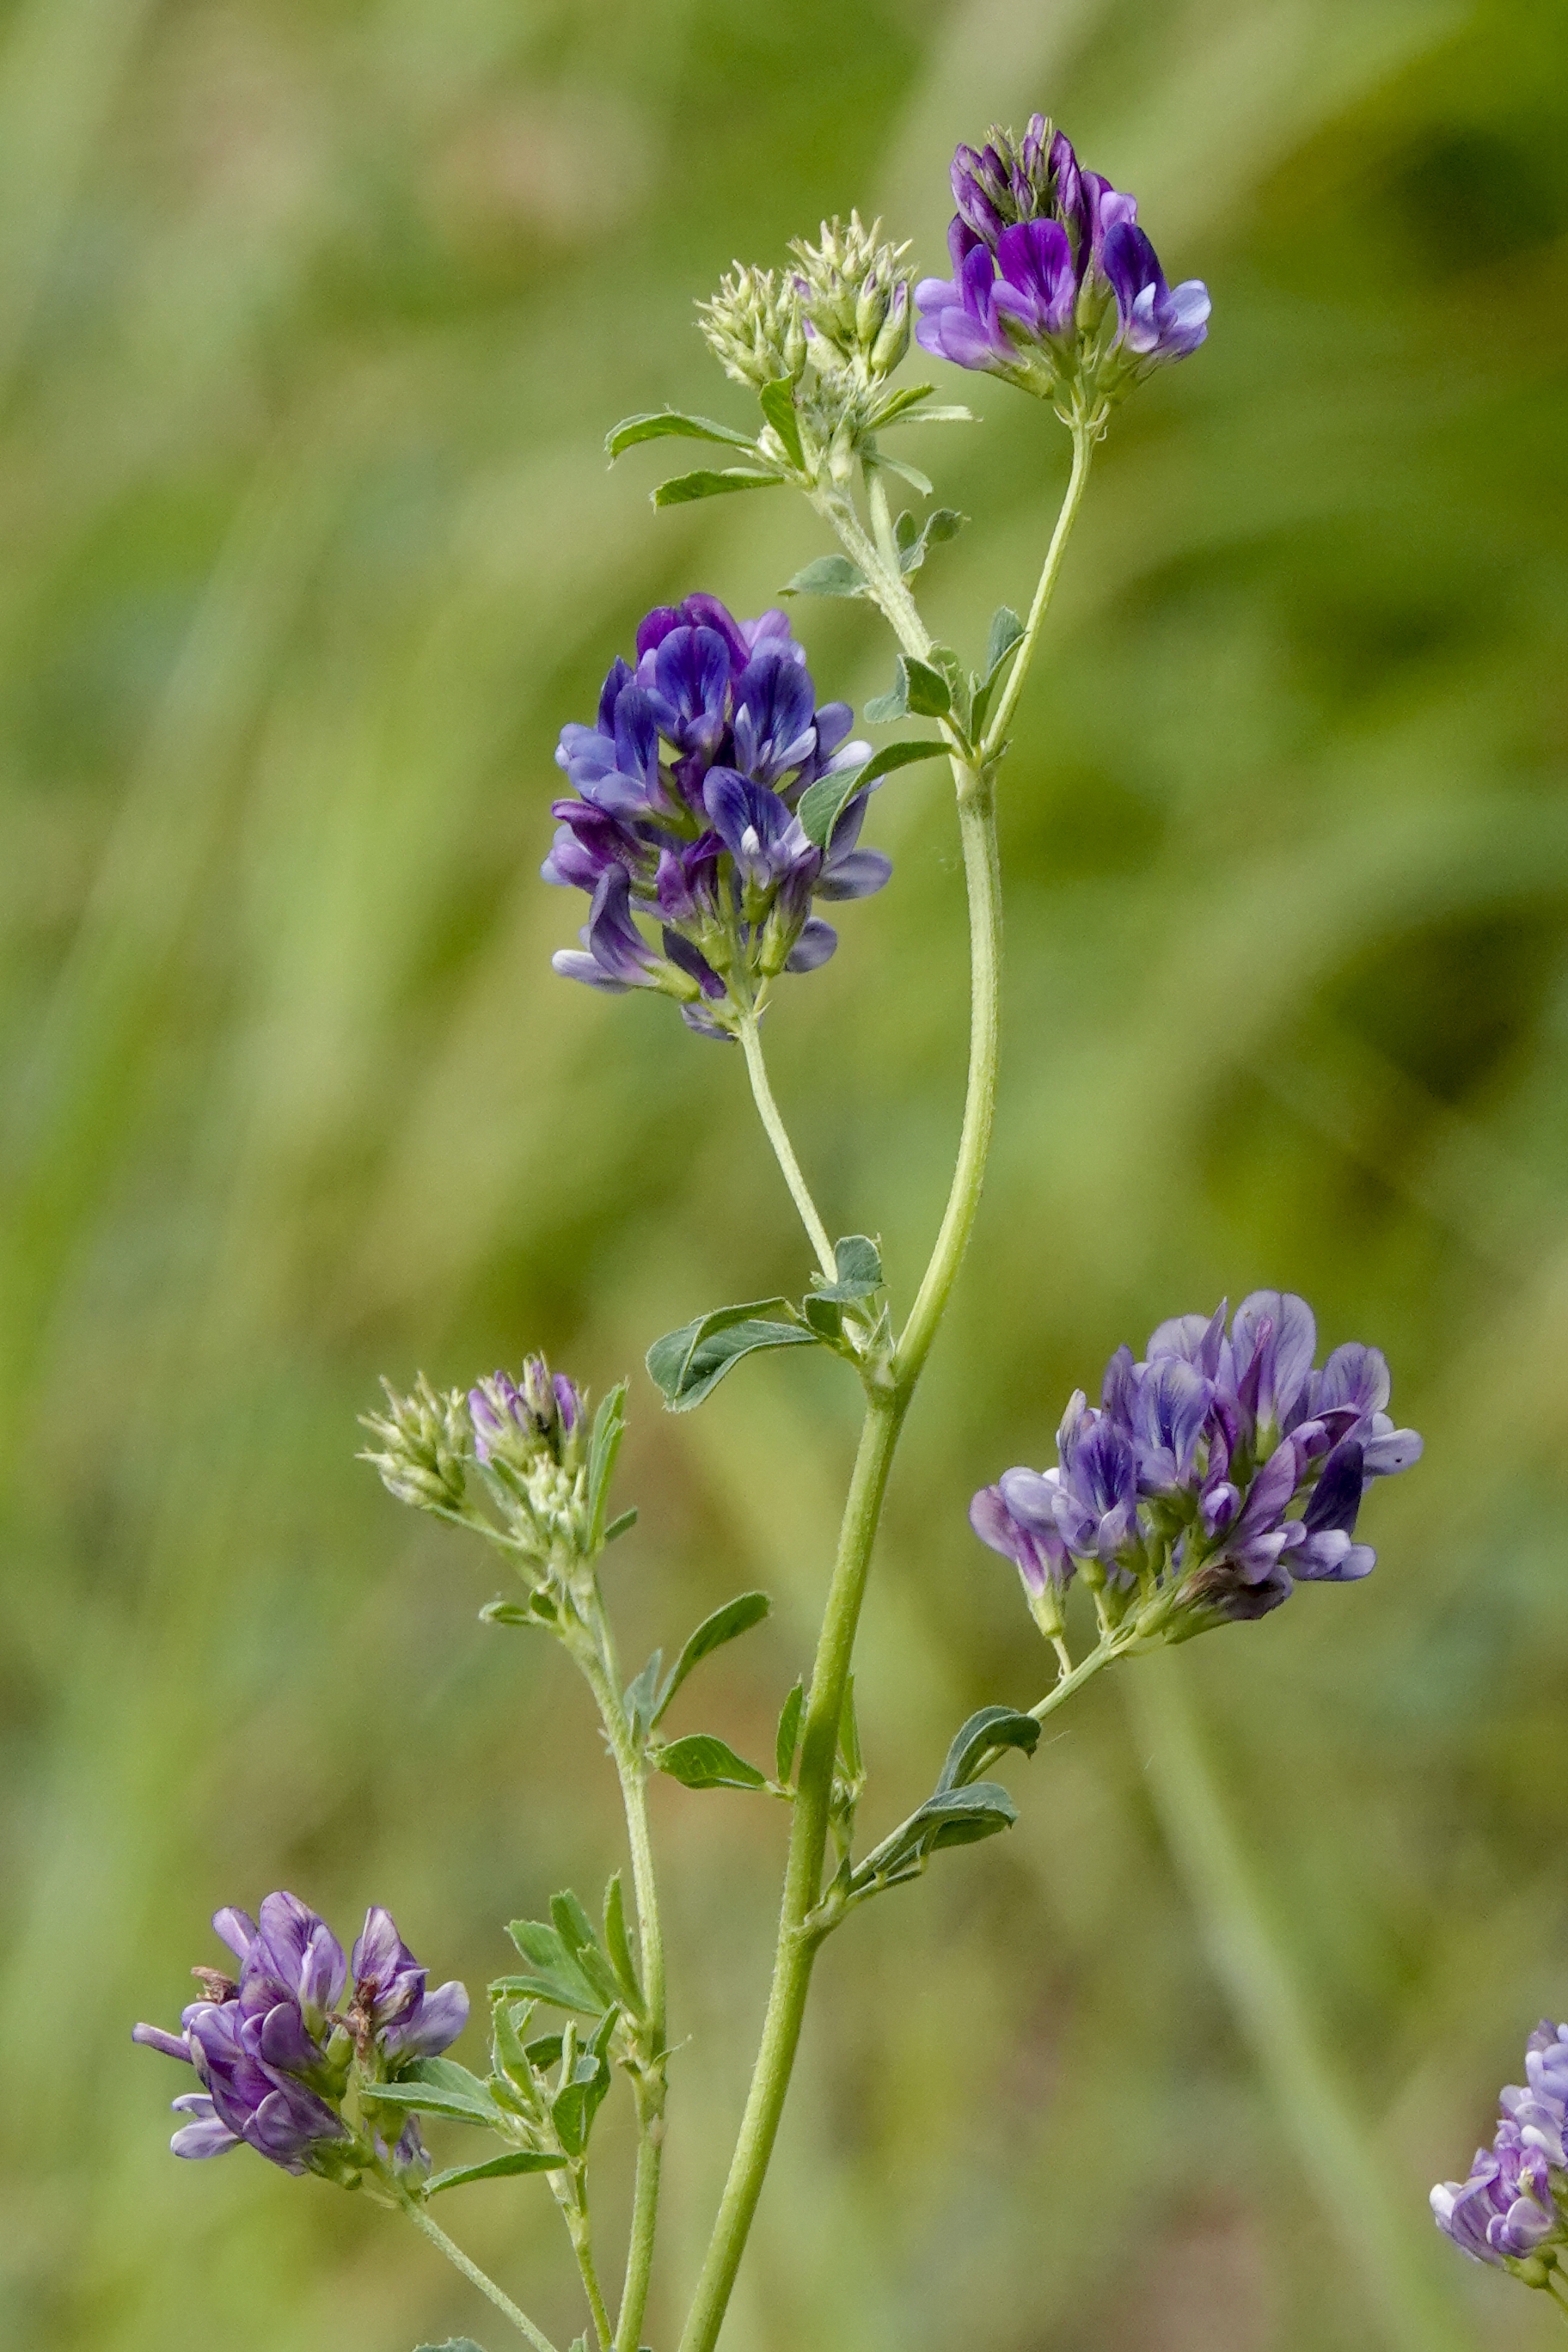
(1055, 285)
(1180, 1486)
(273, 2052)
(1506, 2212)
(688, 788)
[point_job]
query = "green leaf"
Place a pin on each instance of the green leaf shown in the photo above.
(578, 2100)
(736, 1617)
(829, 575)
(1006, 631)
(824, 802)
(507, 2051)
(575, 1930)
(688, 1364)
(952, 1817)
(660, 424)
(826, 1316)
(789, 1732)
(896, 403)
(544, 2050)
(682, 488)
(507, 1613)
(930, 694)
(603, 1446)
(618, 1947)
(859, 1262)
(439, 2086)
(518, 2160)
(641, 1693)
(990, 1726)
(621, 1526)
(778, 406)
(452, 2343)
(940, 413)
(556, 1974)
(906, 473)
(883, 709)
(703, 1762)
(944, 524)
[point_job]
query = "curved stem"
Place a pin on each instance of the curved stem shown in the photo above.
(996, 733)
(784, 1151)
(475, 2276)
(602, 1669)
(982, 873)
(809, 1838)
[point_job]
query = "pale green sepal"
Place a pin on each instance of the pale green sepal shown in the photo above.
(518, 2159)
(701, 1760)
(688, 1365)
(683, 488)
(660, 424)
(736, 1617)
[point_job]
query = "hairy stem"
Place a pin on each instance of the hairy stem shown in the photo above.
(996, 733)
(784, 1151)
(574, 2202)
(603, 1671)
(802, 1875)
(475, 2276)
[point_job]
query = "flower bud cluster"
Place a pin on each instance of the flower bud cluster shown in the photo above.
(1513, 2211)
(278, 2053)
(423, 1442)
(1054, 285)
(753, 327)
(530, 1438)
(685, 819)
(854, 297)
(1215, 1475)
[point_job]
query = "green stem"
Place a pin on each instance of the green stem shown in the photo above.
(982, 873)
(603, 1671)
(996, 733)
(809, 1838)
(886, 580)
(475, 2276)
(574, 2202)
(784, 1151)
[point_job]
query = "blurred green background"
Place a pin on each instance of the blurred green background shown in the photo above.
(311, 318)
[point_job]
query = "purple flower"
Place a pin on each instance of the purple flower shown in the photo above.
(1506, 2212)
(1216, 1475)
(1054, 285)
(273, 2055)
(539, 1411)
(684, 819)
(391, 2005)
